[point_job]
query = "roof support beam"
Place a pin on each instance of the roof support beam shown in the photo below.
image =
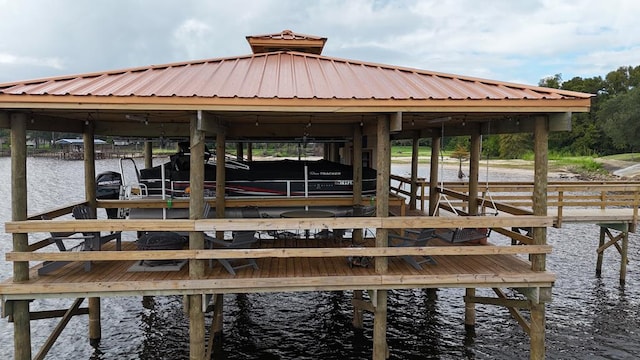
(210, 124)
(5, 122)
(142, 129)
(396, 122)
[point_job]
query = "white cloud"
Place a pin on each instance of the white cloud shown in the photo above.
(499, 39)
(192, 37)
(10, 59)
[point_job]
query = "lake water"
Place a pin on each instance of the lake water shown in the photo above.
(589, 317)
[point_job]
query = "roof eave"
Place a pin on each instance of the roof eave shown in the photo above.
(292, 104)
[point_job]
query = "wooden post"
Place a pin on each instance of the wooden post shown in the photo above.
(380, 349)
(217, 313)
(220, 179)
(538, 322)
(21, 324)
(148, 154)
(415, 152)
(196, 239)
(603, 233)
(383, 164)
(538, 261)
(89, 166)
(215, 332)
(433, 175)
(470, 311)
(357, 310)
(620, 241)
(239, 151)
(624, 254)
(249, 151)
(95, 327)
(356, 162)
(474, 171)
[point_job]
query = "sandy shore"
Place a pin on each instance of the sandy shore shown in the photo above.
(518, 168)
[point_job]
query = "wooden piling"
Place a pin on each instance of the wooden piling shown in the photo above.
(620, 241)
(196, 239)
(358, 318)
(21, 320)
(95, 327)
(240, 151)
(538, 261)
(433, 174)
(474, 171)
(383, 163)
(148, 154)
(415, 152)
(470, 310)
(356, 164)
(380, 349)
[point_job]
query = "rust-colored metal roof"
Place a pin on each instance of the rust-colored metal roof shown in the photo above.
(281, 75)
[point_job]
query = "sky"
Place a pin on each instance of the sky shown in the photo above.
(520, 41)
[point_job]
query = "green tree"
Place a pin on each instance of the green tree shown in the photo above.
(620, 118)
(514, 146)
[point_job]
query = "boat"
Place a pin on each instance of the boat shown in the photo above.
(260, 179)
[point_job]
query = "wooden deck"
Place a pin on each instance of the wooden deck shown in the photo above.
(112, 278)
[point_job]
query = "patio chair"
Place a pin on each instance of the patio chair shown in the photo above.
(240, 240)
(461, 235)
(280, 234)
(90, 241)
(419, 238)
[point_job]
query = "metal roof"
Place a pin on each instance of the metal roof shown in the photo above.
(281, 75)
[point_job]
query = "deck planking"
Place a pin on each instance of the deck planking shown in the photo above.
(111, 278)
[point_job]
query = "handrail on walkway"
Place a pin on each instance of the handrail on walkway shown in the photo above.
(515, 197)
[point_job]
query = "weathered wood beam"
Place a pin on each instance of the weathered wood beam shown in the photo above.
(51, 123)
(196, 239)
(383, 166)
(5, 120)
(58, 329)
(209, 123)
(513, 303)
(140, 129)
(21, 326)
(167, 287)
(276, 253)
(293, 130)
(393, 222)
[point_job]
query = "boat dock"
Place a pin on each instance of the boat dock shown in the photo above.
(354, 109)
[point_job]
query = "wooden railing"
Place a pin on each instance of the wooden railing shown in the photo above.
(184, 225)
(515, 197)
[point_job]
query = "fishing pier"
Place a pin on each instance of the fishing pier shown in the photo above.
(354, 108)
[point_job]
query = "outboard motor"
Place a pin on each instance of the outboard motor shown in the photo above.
(108, 188)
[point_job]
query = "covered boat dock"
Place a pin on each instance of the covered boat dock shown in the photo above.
(285, 90)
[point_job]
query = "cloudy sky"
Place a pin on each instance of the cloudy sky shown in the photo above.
(519, 41)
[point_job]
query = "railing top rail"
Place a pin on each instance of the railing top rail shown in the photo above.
(394, 222)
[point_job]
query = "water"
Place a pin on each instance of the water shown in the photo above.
(589, 317)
